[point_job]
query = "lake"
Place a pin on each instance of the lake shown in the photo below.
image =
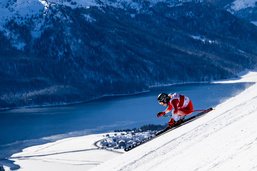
(29, 126)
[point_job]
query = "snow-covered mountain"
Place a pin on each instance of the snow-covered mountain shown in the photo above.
(55, 52)
(245, 9)
(243, 4)
(20, 11)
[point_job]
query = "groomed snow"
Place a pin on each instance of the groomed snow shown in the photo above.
(78, 153)
(224, 139)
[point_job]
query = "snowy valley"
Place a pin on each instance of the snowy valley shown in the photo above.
(57, 53)
(223, 139)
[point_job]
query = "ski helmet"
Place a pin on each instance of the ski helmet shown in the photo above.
(163, 97)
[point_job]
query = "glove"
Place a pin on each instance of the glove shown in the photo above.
(160, 114)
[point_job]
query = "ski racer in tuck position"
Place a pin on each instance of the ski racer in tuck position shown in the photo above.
(180, 104)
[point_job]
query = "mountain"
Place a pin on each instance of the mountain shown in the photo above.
(55, 52)
(245, 9)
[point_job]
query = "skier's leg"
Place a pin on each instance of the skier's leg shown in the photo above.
(175, 119)
(187, 110)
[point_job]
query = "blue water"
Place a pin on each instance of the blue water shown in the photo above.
(24, 127)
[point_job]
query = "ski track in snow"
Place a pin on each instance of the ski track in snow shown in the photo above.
(199, 134)
(224, 139)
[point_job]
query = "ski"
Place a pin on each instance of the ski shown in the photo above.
(185, 121)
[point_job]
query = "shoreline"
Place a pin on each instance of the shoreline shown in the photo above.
(71, 103)
(114, 95)
(237, 79)
(12, 164)
(221, 140)
(53, 152)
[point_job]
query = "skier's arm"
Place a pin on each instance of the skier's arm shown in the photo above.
(168, 109)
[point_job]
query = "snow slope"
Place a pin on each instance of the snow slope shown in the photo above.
(224, 139)
(77, 153)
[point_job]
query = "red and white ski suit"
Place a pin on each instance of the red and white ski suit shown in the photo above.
(182, 106)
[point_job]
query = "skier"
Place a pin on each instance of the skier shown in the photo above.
(180, 104)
